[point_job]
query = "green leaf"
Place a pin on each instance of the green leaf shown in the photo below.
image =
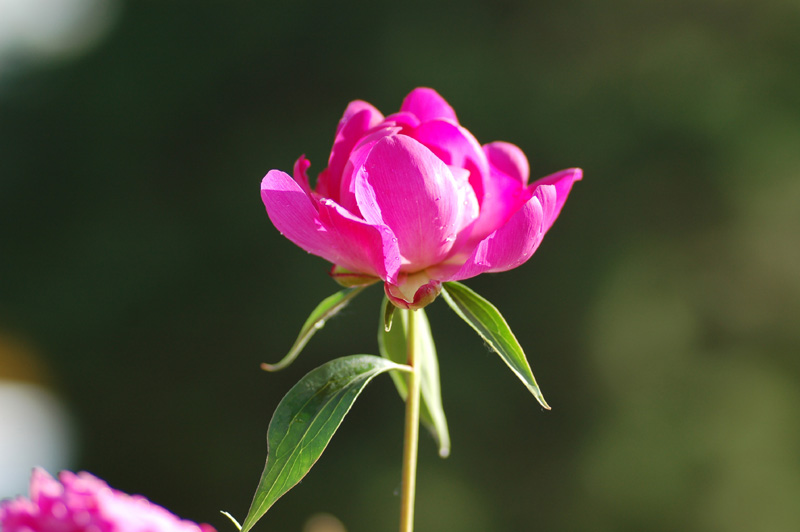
(329, 307)
(492, 327)
(392, 345)
(305, 421)
(388, 315)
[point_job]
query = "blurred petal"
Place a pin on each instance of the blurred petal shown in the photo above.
(42, 484)
(406, 187)
(427, 104)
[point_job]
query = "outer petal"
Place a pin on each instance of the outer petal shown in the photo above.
(504, 190)
(353, 108)
(427, 104)
(367, 248)
(406, 187)
(562, 182)
(344, 242)
(359, 118)
(508, 159)
(509, 246)
(515, 242)
(300, 174)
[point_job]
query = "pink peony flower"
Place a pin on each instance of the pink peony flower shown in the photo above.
(415, 200)
(84, 503)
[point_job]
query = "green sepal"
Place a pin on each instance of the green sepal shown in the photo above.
(392, 343)
(492, 327)
(328, 308)
(388, 315)
(305, 421)
(351, 279)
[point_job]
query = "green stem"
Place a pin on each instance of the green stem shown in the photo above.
(411, 438)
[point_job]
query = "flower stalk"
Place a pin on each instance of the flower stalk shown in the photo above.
(411, 436)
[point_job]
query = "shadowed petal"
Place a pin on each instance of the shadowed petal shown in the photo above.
(427, 104)
(366, 248)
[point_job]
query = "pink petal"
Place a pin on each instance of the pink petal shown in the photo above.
(347, 194)
(367, 248)
(293, 213)
(503, 196)
(406, 120)
(406, 187)
(300, 174)
(359, 118)
(503, 191)
(516, 241)
(562, 182)
(509, 246)
(332, 233)
(43, 484)
(353, 108)
(427, 104)
(455, 146)
(508, 159)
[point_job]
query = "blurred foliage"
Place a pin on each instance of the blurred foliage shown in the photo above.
(660, 314)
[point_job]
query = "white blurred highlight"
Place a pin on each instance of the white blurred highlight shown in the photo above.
(33, 30)
(35, 430)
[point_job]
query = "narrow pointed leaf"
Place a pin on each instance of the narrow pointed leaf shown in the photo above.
(328, 308)
(392, 345)
(388, 315)
(305, 421)
(492, 327)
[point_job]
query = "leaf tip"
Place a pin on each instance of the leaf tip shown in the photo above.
(233, 519)
(543, 402)
(269, 367)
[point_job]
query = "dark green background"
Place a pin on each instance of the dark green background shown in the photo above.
(660, 315)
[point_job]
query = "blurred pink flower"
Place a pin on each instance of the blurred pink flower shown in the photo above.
(84, 503)
(415, 200)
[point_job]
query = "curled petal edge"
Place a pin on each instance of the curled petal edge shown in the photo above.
(414, 292)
